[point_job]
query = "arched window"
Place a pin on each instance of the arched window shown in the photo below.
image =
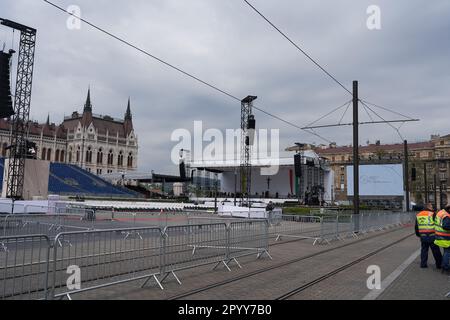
(100, 156)
(44, 154)
(49, 154)
(110, 158)
(57, 155)
(89, 155)
(120, 159)
(78, 154)
(130, 160)
(61, 156)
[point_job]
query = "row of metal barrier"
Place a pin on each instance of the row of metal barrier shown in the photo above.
(38, 266)
(319, 228)
(324, 229)
(38, 251)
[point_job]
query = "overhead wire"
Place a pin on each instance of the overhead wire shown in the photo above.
(178, 69)
(323, 69)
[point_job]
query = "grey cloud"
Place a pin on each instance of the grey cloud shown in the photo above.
(405, 65)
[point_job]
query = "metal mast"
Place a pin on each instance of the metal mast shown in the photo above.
(246, 148)
(22, 102)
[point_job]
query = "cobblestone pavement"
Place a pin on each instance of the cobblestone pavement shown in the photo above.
(418, 284)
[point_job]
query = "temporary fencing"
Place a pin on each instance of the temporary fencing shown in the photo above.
(115, 256)
(37, 266)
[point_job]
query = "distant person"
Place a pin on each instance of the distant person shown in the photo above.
(270, 207)
(425, 230)
(442, 230)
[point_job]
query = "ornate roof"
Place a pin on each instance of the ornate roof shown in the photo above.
(102, 124)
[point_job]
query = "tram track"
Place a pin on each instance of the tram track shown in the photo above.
(293, 261)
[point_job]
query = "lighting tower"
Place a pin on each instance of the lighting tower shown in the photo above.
(248, 126)
(22, 101)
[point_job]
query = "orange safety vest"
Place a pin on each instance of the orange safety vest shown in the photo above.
(442, 235)
(425, 222)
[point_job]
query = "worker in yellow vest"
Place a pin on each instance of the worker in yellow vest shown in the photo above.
(442, 231)
(425, 231)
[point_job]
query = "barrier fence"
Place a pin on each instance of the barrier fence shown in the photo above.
(24, 267)
(338, 226)
(38, 266)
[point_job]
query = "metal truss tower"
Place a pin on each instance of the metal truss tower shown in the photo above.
(247, 124)
(22, 102)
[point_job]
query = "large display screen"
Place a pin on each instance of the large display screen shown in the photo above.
(377, 180)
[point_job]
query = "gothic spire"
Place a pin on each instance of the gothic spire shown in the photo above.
(128, 115)
(88, 105)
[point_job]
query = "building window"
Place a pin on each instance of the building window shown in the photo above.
(49, 154)
(89, 155)
(120, 159)
(57, 155)
(110, 158)
(61, 156)
(78, 154)
(100, 156)
(130, 160)
(44, 154)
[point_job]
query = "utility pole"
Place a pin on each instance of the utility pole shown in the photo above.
(435, 191)
(355, 155)
(235, 186)
(215, 192)
(425, 178)
(406, 156)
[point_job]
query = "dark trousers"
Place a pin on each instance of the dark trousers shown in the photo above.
(428, 243)
(446, 262)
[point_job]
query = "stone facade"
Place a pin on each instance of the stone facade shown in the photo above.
(50, 139)
(434, 154)
(99, 144)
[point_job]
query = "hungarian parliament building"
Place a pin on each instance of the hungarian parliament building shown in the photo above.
(98, 144)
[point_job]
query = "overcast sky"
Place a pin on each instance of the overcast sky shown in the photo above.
(404, 66)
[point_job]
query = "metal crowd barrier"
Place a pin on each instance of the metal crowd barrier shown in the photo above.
(247, 238)
(338, 226)
(105, 258)
(185, 247)
(24, 267)
(48, 224)
(37, 266)
(296, 226)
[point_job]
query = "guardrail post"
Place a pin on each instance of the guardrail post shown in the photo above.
(337, 226)
(55, 255)
(228, 242)
(47, 268)
(162, 251)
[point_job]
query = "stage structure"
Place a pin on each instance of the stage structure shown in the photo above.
(314, 184)
(22, 102)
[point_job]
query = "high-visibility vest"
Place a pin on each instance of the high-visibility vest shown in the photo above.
(442, 235)
(425, 223)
